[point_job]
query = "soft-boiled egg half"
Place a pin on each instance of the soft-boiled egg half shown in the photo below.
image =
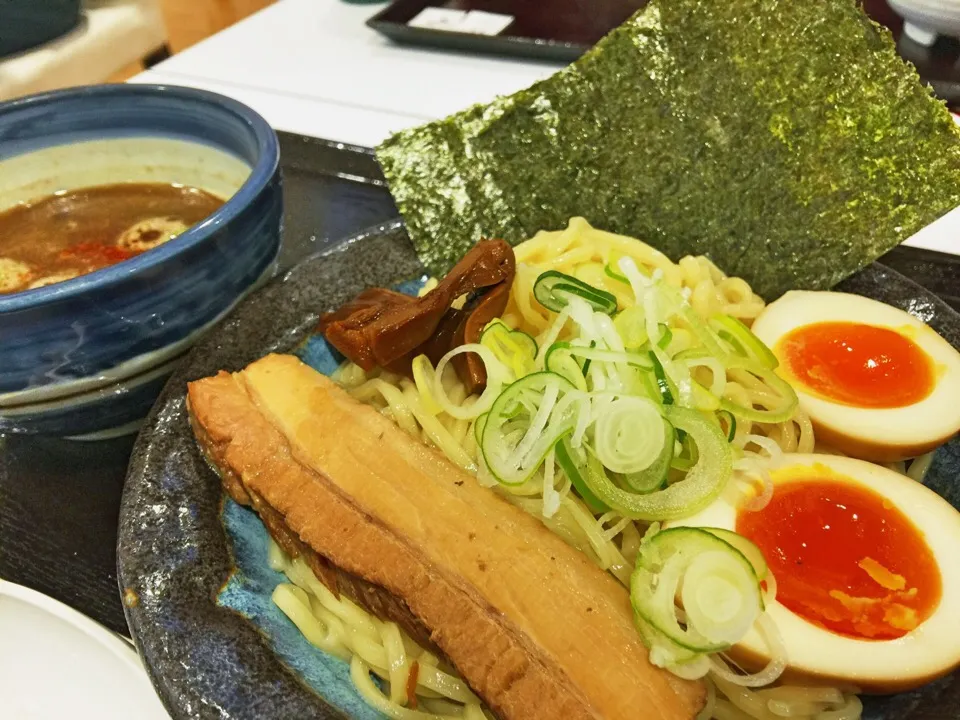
(877, 383)
(864, 562)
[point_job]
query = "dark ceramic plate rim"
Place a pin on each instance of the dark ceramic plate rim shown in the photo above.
(206, 661)
(378, 21)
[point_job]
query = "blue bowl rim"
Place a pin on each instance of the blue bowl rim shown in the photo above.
(268, 147)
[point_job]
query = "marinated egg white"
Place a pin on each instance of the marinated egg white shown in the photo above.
(817, 655)
(879, 385)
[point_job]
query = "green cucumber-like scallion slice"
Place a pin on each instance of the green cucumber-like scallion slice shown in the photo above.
(629, 435)
(631, 327)
(566, 460)
(655, 477)
(782, 396)
(742, 340)
(667, 393)
(666, 335)
(612, 268)
(514, 348)
(560, 360)
(553, 290)
(750, 551)
(539, 404)
(478, 426)
(716, 582)
(702, 483)
(730, 421)
(586, 363)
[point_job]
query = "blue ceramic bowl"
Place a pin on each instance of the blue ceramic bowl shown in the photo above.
(88, 355)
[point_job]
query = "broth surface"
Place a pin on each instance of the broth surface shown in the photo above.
(72, 233)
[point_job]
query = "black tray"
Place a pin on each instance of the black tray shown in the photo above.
(556, 30)
(59, 499)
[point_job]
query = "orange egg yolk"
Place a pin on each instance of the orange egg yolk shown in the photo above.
(844, 557)
(857, 364)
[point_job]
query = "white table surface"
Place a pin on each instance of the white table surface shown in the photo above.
(313, 67)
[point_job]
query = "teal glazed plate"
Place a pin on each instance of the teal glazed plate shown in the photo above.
(192, 565)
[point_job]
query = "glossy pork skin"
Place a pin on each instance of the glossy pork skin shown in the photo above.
(536, 629)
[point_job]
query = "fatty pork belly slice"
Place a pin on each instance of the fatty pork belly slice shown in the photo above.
(537, 630)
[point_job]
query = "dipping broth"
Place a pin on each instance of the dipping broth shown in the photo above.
(72, 233)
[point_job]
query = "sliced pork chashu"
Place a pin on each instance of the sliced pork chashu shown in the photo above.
(537, 630)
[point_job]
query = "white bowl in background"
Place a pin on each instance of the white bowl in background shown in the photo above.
(925, 20)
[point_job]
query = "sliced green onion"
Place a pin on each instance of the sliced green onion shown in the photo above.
(648, 386)
(701, 485)
(750, 551)
(514, 348)
(560, 360)
(631, 327)
(513, 457)
(478, 426)
(550, 335)
(717, 584)
(684, 390)
(586, 363)
(698, 357)
(496, 374)
(655, 477)
(671, 302)
(572, 471)
(612, 269)
(601, 355)
(784, 396)
(687, 457)
(554, 289)
(692, 669)
(743, 341)
(663, 651)
(667, 393)
(666, 335)
(564, 358)
(720, 597)
(730, 680)
(731, 421)
(628, 435)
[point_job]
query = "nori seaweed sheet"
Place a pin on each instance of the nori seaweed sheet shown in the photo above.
(782, 138)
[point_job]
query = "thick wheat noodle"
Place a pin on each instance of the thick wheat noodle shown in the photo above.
(341, 628)
(522, 295)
